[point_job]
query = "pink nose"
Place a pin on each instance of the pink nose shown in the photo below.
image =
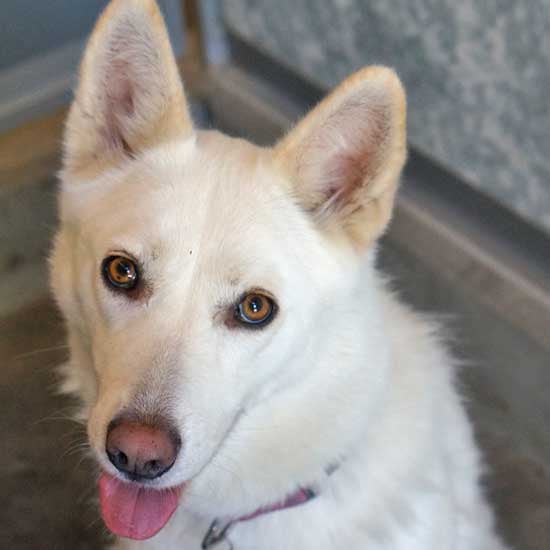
(140, 451)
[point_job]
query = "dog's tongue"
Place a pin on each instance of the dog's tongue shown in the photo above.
(135, 512)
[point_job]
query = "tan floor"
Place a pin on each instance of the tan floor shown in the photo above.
(46, 486)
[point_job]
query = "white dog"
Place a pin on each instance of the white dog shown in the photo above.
(248, 380)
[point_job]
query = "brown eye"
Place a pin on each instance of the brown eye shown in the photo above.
(255, 309)
(120, 272)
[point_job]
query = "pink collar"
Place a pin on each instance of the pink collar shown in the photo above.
(218, 531)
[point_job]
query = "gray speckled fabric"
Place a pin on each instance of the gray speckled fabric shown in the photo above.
(477, 74)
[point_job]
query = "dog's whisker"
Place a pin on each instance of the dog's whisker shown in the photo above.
(76, 434)
(39, 351)
(85, 456)
(76, 448)
(65, 414)
(73, 449)
(54, 418)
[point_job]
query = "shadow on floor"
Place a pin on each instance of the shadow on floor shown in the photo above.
(47, 485)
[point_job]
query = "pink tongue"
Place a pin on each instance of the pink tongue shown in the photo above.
(133, 511)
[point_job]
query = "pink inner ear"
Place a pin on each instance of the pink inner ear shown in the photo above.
(349, 149)
(128, 71)
(120, 104)
(121, 99)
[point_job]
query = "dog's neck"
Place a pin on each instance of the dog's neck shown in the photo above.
(218, 530)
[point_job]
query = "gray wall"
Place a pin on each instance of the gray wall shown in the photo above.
(30, 27)
(40, 47)
(477, 74)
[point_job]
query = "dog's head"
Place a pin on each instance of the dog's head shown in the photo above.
(214, 292)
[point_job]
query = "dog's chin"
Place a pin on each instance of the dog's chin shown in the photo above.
(133, 510)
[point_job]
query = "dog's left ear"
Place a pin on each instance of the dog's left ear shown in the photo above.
(345, 157)
(130, 96)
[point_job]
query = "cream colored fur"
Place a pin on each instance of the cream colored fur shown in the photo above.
(344, 375)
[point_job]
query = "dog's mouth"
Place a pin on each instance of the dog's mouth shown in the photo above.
(135, 511)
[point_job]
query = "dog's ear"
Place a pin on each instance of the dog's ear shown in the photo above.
(345, 157)
(130, 95)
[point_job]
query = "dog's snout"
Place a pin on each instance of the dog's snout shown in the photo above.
(141, 451)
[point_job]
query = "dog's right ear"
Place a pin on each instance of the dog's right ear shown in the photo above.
(130, 95)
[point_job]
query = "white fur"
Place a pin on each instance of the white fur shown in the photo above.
(350, 375)
(344, 375)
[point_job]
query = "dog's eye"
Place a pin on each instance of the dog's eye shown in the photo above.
(120, 272)
(255, 309)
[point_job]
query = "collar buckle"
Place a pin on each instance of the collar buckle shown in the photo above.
(216, 533)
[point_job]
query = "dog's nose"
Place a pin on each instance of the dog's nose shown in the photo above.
(141, 451)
